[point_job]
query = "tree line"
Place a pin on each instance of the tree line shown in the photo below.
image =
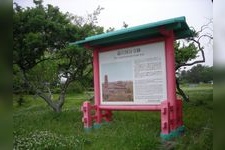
(197, 74)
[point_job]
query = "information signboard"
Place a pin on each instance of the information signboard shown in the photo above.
(134, 75)
(134, 70)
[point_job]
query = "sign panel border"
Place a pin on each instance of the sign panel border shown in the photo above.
(140, 51)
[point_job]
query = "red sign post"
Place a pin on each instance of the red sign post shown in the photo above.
(134, 69)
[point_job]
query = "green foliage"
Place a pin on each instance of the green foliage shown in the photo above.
(20, 101)
(184, 53)
(37, 30)
(42, 54)
(75, 87)
(35, 127)
(197, 74)
(18, 82)
(74, 62)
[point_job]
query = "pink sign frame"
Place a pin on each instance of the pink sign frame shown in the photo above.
(170, 108)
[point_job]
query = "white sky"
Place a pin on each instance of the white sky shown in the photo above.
(137, 12)
(219, 32)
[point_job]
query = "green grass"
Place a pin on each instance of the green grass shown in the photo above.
(37, 127)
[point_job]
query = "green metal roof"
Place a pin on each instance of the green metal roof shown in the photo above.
(178, 25)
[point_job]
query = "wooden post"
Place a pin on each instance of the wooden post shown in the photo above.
(171, 78)
(98, 113)
(87, 119)
(165, 117)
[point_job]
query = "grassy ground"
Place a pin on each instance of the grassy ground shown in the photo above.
(37, 127)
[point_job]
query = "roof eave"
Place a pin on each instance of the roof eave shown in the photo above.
(178, 25)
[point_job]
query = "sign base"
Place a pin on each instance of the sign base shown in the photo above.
(173, 134)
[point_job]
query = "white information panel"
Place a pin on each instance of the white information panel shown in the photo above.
(134, 75)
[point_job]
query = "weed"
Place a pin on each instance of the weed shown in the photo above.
(37, 127)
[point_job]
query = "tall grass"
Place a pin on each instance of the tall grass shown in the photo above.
(37, 127)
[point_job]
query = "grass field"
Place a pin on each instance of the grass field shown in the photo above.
(37, 127)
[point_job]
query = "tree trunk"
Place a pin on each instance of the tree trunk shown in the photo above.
(58, 109)
(48, 100)
(181, 92)
(55, 105)
(61, 101)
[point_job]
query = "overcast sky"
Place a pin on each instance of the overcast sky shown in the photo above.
(137, 12)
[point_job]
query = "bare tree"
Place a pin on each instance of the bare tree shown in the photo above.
(205, 33)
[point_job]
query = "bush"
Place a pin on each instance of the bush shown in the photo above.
(75, 87)
(20, 101)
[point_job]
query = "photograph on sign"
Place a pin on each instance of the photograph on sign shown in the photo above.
(134, 75)
(118, 82)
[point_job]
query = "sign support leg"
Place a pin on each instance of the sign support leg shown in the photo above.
(175, 107)
(87, 119)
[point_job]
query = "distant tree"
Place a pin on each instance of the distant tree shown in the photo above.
(110, 29)
(197, 74)
(125, 25)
